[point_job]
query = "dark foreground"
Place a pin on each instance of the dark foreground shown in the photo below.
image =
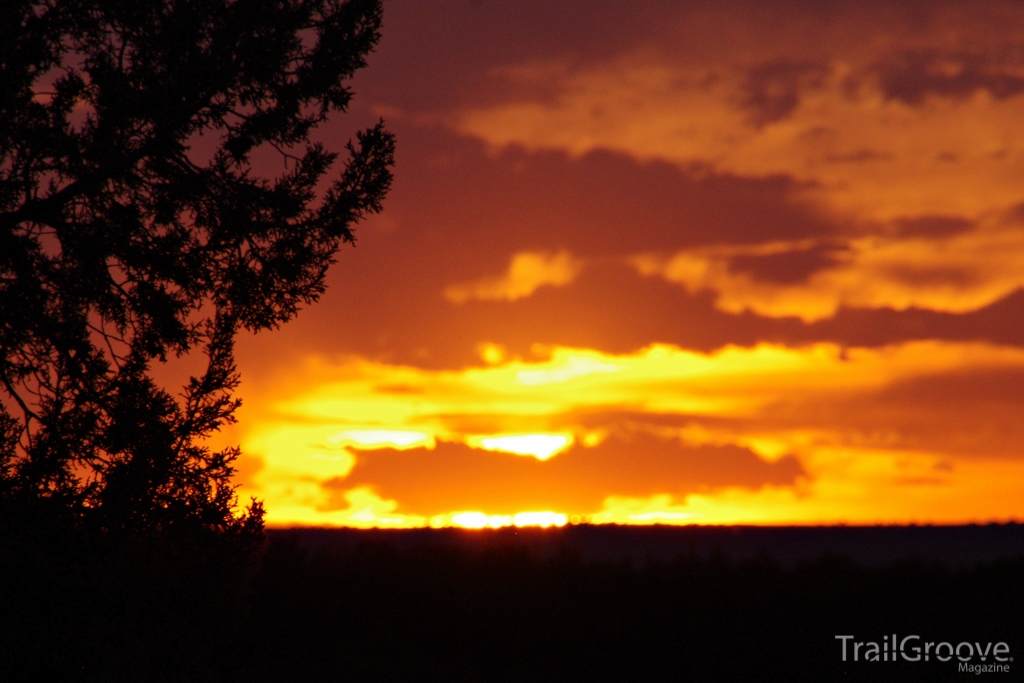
(576, 604)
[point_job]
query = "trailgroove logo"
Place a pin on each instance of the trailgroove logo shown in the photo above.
(976, 658)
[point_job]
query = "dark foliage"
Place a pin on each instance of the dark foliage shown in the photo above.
(134, 228)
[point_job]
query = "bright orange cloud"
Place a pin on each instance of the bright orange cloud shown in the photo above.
(834, 127)
(527, 272)
(765, 401)
(957, 273)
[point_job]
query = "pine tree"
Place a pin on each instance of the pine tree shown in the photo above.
(134, 228)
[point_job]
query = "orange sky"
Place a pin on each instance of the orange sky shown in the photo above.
(720, 262)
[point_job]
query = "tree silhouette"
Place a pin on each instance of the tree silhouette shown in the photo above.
(135, 227)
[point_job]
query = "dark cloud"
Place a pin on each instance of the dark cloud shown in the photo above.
(1001, 322)
(446, 55)
(959, 414)
(442, 54)
(789, 267)
(771, 91)
(457, 477)
(1015, 214)
(457, 214)
(860, 156)
(610, 307)
(464, 199)
(910, 76)
(933, 226)
(934, 275)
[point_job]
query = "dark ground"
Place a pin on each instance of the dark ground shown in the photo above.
(592, 603)
(579, 603)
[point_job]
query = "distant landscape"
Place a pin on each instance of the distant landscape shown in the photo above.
(616, 603)
(954, 547)
(576, 603)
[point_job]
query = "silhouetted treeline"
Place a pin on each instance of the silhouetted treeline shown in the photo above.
(494, 608)
(516, 612)
(951, 545)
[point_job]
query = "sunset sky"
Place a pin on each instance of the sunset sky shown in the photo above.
(665, 262)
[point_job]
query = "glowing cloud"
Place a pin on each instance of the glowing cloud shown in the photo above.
(865, 460)
(382, 438)
(364, 508)
(540, 446)
(527, 272)
(857, 147)
(570, 367)
(857, 486)
(956, 274)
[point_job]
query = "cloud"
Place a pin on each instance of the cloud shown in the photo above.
(875, 117)
(385, 298)
(610, 307)
(454, 477)
(527, 272)
(772, 248)
(771, 91)
(658, 421)
(954, 272)
(852, 486)
(355, 507)
(977, 411)
(325, 403)
(789, 266)
(912, 76)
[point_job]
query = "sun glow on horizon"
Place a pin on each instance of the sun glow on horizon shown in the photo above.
(479, 520)
(812, 403)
